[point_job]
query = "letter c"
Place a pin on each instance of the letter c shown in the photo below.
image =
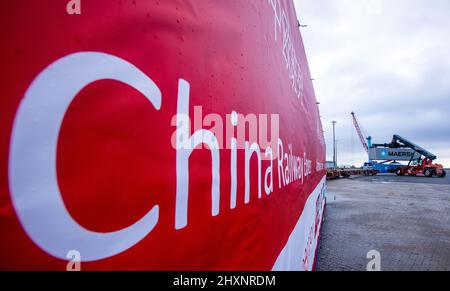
(32, 172)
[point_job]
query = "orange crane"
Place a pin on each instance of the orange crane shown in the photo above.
(361, 136)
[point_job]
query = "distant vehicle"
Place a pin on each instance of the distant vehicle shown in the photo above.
(383, 167)
(386, 163)
(417, 166)
(399, 149)
(424, 167)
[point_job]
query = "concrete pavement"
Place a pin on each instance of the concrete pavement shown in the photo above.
(406, 219)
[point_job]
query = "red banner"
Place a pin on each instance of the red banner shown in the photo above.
(157, 135)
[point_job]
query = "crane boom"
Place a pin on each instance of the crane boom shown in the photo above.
(400, 140)
(358, 130)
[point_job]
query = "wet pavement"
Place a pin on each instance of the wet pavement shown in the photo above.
(405, 219)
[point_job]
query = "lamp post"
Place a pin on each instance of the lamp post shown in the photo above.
(334, 144)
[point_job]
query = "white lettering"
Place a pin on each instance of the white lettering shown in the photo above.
(185, 147)
(32, 169)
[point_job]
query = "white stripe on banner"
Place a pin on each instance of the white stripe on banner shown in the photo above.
(299, 252)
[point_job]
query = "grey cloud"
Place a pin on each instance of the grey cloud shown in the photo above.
(389, 61)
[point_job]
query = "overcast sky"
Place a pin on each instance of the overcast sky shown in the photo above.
(387, 60)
